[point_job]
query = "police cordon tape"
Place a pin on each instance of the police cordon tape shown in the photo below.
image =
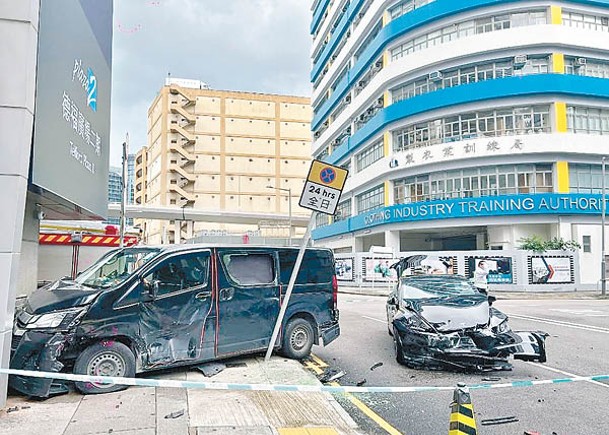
(168, 383)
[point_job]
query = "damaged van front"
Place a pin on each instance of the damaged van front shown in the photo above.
(47, 330)
(442, 322)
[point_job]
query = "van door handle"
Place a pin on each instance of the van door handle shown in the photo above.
(203, 295)
(226, 294)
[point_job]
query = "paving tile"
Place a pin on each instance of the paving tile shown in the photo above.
(131, 410)
(34, 417)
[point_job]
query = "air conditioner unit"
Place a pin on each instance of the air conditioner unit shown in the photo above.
(435, 76)
(345, 7)
(317, 134)
(380, 102)
(378, 64)
(362, 117)
(348, 131)
(361, 84)
(581, 61)
(348, 99)
(520, 61)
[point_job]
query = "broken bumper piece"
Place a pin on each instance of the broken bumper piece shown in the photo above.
(37, 351)
(469, 350)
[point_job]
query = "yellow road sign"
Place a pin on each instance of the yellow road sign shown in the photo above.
(327, 175)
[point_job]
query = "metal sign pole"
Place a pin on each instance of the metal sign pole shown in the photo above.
(603, 253)
(124, 191)
(288, 293)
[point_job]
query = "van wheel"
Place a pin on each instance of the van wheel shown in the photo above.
(298, 339)
(106, 358)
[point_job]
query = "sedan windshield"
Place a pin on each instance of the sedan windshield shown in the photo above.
(115, 267)
(433, 287)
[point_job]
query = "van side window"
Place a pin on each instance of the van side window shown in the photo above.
(182, 272)
(249, 269)
(317, 267)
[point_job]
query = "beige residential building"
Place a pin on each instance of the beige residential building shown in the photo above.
(221, 150)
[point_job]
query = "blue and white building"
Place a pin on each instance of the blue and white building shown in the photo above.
(465, 124)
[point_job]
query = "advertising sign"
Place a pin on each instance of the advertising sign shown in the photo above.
(551, 270)
(323, 187)
(70, 154)
(378, 269)
(499, 269)
(344, 269)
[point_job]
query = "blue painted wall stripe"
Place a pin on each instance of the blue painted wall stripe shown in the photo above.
(318, 13)
(396, 28)
(339, 32)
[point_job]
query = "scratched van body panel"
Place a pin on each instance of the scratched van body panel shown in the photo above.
(143, 309)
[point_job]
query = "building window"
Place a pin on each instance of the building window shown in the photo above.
(343, 211)
(475, 182)
(468, 74)
(587, 243)
(586, 67)
(502, 122)
(586, 178)
(321, 220)
(406, 6)
(585, 21)
(468, 28)
(369, 156)
(373, 198)
(587, 120)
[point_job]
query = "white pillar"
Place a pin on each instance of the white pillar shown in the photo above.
(18, 59)
(392, 240)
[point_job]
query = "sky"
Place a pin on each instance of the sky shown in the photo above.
(245, 45)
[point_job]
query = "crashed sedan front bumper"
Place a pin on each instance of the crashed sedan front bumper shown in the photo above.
(39, 351)
(468, 350)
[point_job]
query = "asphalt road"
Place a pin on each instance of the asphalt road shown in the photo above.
(578, 345)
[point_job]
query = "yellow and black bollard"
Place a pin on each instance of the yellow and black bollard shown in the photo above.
(462, 420)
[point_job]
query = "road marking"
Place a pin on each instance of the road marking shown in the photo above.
(376, 320)
(561, 323)
(552, 369)
(319, 361)
(358, 403)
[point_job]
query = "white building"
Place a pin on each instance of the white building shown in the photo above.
(464, 124)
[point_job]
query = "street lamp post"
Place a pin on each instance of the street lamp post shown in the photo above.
(289, 210)
(604, 210)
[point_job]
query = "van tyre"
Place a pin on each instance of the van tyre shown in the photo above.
(298, 339)
(106, 358)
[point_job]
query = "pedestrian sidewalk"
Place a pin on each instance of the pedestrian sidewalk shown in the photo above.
(169, 411)
(384, 291)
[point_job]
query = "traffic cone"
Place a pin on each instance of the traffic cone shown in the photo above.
(462, 420)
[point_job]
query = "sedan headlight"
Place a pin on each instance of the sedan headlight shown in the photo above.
(64, 319)
(503, 327)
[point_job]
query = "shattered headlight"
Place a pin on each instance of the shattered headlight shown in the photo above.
(64, 319)
(502, 328)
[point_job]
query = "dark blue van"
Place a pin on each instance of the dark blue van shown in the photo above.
(140, 309)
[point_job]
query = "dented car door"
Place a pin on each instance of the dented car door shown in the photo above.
(248, 299)
(177, 301)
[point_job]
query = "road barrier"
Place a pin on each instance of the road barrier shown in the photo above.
(462, 419)
(166, 383)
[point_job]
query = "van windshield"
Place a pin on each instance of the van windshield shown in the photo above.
(116, 267)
